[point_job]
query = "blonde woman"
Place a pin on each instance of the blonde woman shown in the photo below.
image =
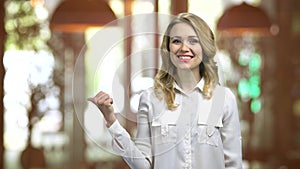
(187, 120)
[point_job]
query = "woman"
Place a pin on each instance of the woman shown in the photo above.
(186, 120)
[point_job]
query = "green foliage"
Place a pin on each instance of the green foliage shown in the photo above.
(25, 29)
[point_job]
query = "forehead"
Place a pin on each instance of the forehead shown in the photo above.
(182, 30)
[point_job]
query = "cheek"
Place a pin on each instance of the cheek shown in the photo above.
(173, 48)
(172, 59)
(198, 52)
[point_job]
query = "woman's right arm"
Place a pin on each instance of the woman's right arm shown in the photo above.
(137, 154)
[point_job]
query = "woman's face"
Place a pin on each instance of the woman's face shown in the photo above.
(185, 49)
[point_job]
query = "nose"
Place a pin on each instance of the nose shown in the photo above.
(184, 47)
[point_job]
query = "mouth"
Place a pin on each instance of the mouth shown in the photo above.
(185, 58)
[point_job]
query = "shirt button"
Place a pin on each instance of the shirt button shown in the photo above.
(187, 166)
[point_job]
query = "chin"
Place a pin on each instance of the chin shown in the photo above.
(182, 67)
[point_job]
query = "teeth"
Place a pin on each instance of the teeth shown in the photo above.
(185, 57)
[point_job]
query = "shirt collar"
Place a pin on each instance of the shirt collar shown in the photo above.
(199, 86)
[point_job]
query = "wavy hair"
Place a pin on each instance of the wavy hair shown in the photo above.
(164, 79)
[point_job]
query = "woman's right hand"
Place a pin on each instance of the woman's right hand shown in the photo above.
(104, 102)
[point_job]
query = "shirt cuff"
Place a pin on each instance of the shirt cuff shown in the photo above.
(115, 129)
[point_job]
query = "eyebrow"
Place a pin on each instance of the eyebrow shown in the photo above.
(192, 36)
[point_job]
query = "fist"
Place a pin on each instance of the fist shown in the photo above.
(105, 104)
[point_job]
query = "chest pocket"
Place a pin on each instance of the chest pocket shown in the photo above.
(164, 133)
(165, 128)
(207, 134)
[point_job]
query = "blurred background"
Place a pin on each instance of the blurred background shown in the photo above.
(52, 60)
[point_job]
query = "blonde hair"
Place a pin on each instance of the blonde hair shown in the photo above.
(164, 80)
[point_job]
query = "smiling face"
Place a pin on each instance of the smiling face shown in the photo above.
(185, 49)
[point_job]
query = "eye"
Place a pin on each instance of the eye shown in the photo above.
(176, 41)
(193, 41)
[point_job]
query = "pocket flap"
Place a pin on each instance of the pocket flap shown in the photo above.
(210, 130)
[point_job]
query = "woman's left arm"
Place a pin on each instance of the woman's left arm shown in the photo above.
(231, 133)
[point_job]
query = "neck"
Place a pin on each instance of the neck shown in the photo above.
(187, 79)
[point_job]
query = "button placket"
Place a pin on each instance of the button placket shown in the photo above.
(187, 146)
(189, 110)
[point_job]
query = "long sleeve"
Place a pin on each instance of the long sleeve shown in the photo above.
(231, 134)
(137, 153)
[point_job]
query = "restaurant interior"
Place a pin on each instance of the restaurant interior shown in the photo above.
(57, 53)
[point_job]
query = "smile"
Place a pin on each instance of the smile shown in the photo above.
(185, 58)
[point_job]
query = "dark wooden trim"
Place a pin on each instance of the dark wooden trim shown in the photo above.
(2, 72)
(179, 6)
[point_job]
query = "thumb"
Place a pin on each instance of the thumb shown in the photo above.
(91, 99)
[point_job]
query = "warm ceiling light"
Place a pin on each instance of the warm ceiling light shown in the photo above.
(35, 3)
(77, 15)
(244, 18)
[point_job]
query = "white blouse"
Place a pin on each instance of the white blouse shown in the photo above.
(186, 137)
